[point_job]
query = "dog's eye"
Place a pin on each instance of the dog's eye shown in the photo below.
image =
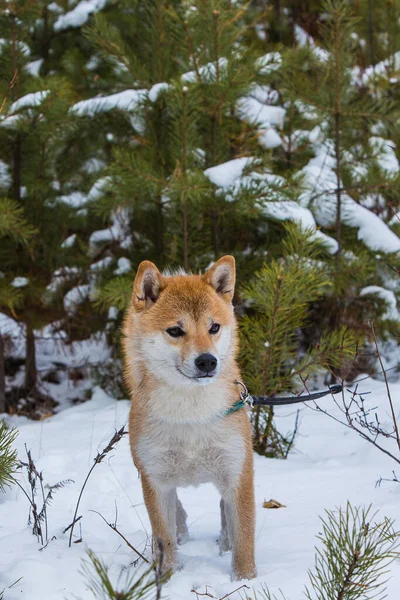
(175, 332)
(215, 327)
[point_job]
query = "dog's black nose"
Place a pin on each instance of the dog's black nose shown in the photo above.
(206, 363)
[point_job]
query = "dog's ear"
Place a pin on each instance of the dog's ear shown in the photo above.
(147, 285)
(221, 276)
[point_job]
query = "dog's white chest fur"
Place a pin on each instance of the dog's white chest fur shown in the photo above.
(178, 455)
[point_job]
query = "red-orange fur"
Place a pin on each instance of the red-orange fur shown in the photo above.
(192, 298)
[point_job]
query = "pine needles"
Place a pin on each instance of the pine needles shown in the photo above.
(135, 586)
(354, 555)
(8, 456)
(353, 558)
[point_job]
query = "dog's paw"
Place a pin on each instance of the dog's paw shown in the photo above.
(182, 537)
(223, 543)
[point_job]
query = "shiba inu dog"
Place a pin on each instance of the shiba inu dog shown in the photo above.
(180, 346)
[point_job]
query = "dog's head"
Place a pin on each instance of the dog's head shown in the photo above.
(185, 322)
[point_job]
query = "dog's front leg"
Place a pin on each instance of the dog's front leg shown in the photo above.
(161, 506)
(239, 511)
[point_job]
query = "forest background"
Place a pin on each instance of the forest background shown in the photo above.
(179, 131)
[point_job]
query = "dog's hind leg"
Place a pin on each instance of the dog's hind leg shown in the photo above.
(161, 506)
(223, 541)
(182, 532)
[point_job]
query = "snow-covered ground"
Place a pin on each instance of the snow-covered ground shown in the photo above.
(329, 466)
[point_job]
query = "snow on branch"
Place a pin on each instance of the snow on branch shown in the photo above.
(127, 100)
(79, 15)
(319, 194)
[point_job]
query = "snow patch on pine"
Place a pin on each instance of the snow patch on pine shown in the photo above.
(5, 176)
(124, 266)
(156, 90)
(69, 241)
(292, 211)
(386, 155)
(304, 40)
(388, 297)
(60, 277)
(320, 188)
(29, 100)
(98, 188)
(19, 282)
(127, 100)
(225, 174)
(117, 231)
(74, 199)
(34, 67)
(272, 61)
(207, 72)
(93, 165)
(79, 15)
(101, 264)
(74, 297)
(264, 116)
(381, 69)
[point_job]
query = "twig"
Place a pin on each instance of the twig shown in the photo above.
(394, 479)
(114, 528)
(207, 593)
(396, 429)
(10, 87)
(118, 435)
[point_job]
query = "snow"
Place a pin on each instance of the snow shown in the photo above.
(319, 194)
(74, 199)
(124, 266)
(292, 211)
(270, 62)
(8, 327)
(225, 174)
(101, 264)
(117, 231)
(389, 298)
(305, 40)
(11, 121)
(381, 69)
(156, 90)
(264, 116)
(386, 155)
(79, 15)
(5, 177)
(97, 189)
(257, 112)
(207, 72)
(75, 296)
(19, 282)
(127, 100)
(93, 165)
(34, 67)
(61, 276)
(69, 241)
(328, 467)
(32, 100)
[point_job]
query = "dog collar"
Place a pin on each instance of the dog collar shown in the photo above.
(247, 400)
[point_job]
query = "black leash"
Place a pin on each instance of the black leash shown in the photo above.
(272, 401)
(247, 399)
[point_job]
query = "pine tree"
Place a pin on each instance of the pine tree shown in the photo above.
(37, 133)
(273, 353)
(352, 162)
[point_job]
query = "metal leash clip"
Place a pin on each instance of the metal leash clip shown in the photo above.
(244, 394)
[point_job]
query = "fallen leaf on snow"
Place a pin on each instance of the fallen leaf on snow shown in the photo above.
(273, 504)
